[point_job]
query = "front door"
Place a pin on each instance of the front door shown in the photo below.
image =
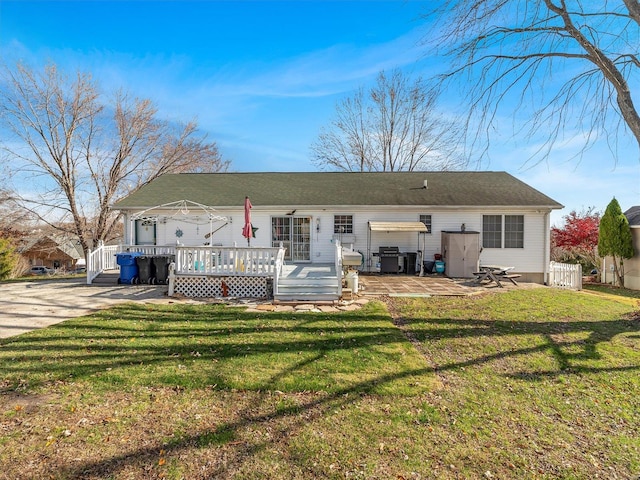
(295, 235)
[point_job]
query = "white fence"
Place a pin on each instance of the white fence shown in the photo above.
(564, 275)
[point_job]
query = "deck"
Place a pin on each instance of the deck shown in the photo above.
(254, 276)
(308, 270)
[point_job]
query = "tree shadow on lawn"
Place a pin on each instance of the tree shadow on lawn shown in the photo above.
(552, 338)
(354, 331)
(86, 349)
(126, 337)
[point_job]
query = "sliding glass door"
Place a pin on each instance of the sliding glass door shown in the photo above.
(295, 235)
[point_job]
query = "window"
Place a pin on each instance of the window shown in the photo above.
(514, 231)
(426, 219)
(492, 231)
(343, 224)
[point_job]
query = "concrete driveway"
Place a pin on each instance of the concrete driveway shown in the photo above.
(26, 306)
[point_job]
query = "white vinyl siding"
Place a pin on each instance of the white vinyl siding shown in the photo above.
(527, 258)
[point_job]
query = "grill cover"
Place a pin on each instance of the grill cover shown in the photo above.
(388, 251)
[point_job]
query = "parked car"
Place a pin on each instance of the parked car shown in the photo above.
(41, 270)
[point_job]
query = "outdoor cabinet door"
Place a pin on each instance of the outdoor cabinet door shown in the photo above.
(145, 232)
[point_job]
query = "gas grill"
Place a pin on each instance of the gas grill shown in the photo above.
(389, 259)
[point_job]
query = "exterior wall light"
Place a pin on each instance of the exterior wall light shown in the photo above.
(318, 224)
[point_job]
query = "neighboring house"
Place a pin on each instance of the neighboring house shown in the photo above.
(308, 212)
(51, 251)
(631, 265)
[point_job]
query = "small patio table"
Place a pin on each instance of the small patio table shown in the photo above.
(494, 273)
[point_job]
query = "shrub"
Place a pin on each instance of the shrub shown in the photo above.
(9, 259)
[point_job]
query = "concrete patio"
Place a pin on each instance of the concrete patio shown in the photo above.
(427, 286)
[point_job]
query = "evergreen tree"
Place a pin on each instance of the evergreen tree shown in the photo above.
(615, 239)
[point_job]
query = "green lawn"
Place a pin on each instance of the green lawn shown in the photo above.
(44, 278)
(533, 383)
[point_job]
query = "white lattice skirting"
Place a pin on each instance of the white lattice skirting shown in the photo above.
(220, 287)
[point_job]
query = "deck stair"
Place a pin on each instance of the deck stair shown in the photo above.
(308, 283)
(108, 277)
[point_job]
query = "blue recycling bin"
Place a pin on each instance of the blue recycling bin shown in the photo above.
(128, 267)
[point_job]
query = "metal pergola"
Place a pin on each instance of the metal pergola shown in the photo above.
(184, 208)
(386, 227)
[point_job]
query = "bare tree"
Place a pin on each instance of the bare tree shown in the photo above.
(13, 218)
(393, 126)
(80, 155)
(571, 63)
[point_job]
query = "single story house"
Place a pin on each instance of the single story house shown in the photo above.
(52, 251)
(465, 217)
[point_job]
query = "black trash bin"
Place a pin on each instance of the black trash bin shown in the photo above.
(428, 266)
(411, 263)
(161, 263)
(146, 269)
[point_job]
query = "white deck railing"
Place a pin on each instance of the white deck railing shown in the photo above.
(564, 275)
(235, 261)
(101, 259)
(338, 260)
(149, 249)
(278, 272)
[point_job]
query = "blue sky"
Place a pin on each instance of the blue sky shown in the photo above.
(262, 78)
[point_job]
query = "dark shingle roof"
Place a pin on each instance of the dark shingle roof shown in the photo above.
(340, 188)
(633, 215)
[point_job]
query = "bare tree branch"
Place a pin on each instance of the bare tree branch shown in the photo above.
(87, 153)
(570, 63)
(393, 126)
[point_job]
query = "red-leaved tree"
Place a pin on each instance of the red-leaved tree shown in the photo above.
(577, 239)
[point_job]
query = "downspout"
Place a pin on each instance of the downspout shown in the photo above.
(132, 228)
(368, 248)
(547, 248)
